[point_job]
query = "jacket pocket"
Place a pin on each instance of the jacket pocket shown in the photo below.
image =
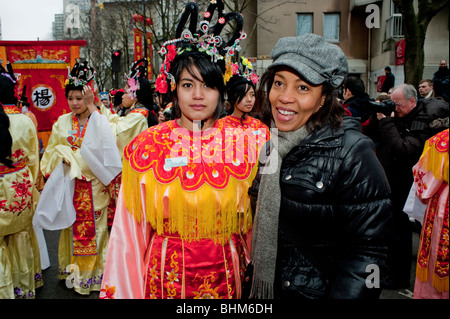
(304, 282)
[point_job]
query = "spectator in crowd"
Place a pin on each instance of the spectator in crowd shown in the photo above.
(400, 139)
(441, 81)
(382, 97)
(323, 210)
(389, 81)
(356, 99)
(426, 89)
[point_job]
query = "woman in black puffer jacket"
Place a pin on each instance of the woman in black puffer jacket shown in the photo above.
(323, 214)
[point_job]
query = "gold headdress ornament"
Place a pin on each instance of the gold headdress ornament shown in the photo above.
(241, 72)
(207, 39)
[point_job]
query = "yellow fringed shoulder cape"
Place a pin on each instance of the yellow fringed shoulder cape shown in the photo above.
(435, 155)
(194, 184)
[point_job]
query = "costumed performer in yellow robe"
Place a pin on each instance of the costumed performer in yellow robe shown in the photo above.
(20, 266)
(139, 115)
(83, 246)
(183, 205)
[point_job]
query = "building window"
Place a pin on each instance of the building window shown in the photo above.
(394, 24)
(304, 23)
(331, 26)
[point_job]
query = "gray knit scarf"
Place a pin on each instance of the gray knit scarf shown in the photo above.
(265, 227)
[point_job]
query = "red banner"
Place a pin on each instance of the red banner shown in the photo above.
(139, 48)
(380, 81)
(42, 67)
(400, 52)
(38, 54)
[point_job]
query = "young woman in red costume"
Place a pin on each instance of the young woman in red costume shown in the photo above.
(183, 207)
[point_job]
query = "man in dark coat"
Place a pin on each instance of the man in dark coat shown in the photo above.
(356, 100)
(389, 81)
(441, 81)
(400, 144)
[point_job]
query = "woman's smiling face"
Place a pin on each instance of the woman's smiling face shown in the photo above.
(293, 100)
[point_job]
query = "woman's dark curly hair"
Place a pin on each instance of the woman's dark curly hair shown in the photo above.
(210, 72)
(331, 113)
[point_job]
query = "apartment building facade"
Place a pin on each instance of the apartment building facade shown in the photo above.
(350, 24)
(368, 31)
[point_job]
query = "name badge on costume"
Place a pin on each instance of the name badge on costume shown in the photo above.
(257, 132)
(175, 162)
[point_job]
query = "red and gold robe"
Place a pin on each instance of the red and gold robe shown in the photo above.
(182, 215)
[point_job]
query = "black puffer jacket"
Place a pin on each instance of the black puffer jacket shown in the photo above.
(334, 217)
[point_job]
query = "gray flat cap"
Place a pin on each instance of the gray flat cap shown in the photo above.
(315, 59)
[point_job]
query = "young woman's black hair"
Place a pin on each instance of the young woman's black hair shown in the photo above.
(72, 87)
(7, 91)
(6, 139)
(145, 96)
(6, 97)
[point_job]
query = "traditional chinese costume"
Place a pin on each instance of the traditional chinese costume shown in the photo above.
(182, 212)
(20, 266)
(124, 128)
(83, 246)
(256, 130)
(431, 184)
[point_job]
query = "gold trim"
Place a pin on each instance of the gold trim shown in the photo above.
(39, 66)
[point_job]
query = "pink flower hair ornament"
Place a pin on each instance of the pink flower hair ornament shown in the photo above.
(243, 71)
(138, 71)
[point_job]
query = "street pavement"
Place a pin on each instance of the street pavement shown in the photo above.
(53, 287)
(56, 289)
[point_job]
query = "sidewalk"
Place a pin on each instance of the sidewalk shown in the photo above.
(405, 293)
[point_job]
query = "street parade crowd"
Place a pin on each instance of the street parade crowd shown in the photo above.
(213, 182)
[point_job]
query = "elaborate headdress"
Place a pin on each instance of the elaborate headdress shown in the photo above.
(241, 72)
(138, 71)
(207, 39)
(81, 74)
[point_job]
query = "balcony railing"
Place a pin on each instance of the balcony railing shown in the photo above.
(394, 28)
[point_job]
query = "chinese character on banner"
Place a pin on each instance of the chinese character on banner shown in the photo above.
(139, 47)
(400, 52)
(41, 67)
